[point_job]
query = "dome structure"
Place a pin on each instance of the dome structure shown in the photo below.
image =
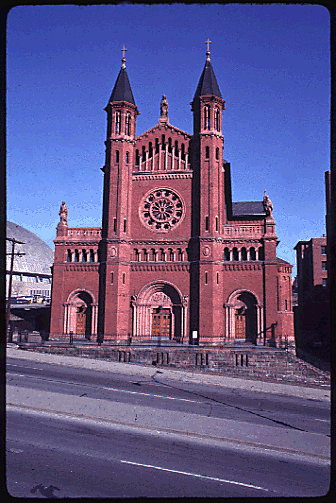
(31, 271)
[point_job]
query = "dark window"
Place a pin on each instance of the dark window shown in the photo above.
(176, 148)
(128, 124)
(124, 278)
(243, 253)
(125, 225)
(69, 256)
(235, 254)
(252, 254)
(117, 156)
(217, 153)
(115, 225)
(84, 256)
(323, 250)
(324, 266)
(324, 282)
(261, 253)
(127, 157)
(226, 254)
(206, 278)
(169, 145)
(206, 223)
(150, 150)
(76, 256)
(163, 142)
(207, 152)
(137, 157)
(206, 117)
(156, 145)
(112, 278)
(217, 224)
(286, 305)
(91, 256)
(217, 278)
(217, 119)
(143, 153)
(182, 152)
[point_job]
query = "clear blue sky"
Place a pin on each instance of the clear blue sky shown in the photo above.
(272, 64)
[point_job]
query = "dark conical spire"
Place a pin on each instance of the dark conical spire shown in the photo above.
(122, 89)
(207, 84)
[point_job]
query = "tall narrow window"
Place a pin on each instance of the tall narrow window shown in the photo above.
(125, 225)
(137, 157)
(217, 121)
(235, 254)
(143, 153)
(243, 253)
(150, 150)
(170, 145)
(163, 142)
(127, 157)
(206, 223)
(92, 256)
(156, 145)
(261, 253)
(117, 156)
(206, 117)
(112, 278)
(217, 278)
(206, 278)
(84, 256)
(252, 253)
(117, 122)
(217, 154)
(176, 148)
(217, 226)
(286, 305)
(69, 256)
(124, 278)
(207, 152)
(76, 256)
(182, 152)
(128, 124)
(114, 225)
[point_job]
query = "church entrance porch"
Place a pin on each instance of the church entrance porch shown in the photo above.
(244, 318)
(80, 314)
(159, 313)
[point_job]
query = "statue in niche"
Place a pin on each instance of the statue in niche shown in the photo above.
(164, 106)
(63, 213)
(268, 206)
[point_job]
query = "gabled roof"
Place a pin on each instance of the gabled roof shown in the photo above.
(248, 208)
(282, 261)
(166, 126)
(207, 84)
(122, 89)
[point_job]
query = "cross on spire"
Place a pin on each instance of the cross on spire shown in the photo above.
(208, 42)
(123, 50)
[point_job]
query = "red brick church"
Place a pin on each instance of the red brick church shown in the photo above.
(175, 258)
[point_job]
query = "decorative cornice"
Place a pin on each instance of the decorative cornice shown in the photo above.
(159, 242)
(161, 176)
(78, 243)
(246, 266)
(82, 267)
(141, 267)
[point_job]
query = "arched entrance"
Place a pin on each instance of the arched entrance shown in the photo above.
(159, 312)
(243, 317)
(80, 314)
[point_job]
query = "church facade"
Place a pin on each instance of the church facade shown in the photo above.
(175, 258)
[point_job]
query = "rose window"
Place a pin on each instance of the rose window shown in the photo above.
(161, 210)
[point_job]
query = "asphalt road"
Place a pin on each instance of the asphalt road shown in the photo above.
(68, 456)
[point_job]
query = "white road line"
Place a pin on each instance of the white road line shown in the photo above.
(194, 475)
(324, 420)
(112, 389)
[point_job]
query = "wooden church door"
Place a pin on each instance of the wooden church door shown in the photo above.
(240, 332)
(81, 322)
(161, 322)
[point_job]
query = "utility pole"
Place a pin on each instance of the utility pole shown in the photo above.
(14, 242)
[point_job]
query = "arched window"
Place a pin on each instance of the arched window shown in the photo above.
(180, 254)
(169, 145)
(206, 117)
(145, 255)
(143, 153)
(128, 124)
(117, 122)
(92, 258)
(207, 152)
(163, 142)
(156, 145)
(150, 150)
(243, 253)
(153, 255)
(68, 255)
(137, 157)
(76, 256)
(217, 153)
(261, 253)
(182, 152)
(217, 119)
(226, 254)
(136, 255)
(234, 254)
(252, 253)
(162, 255)
(84, 256)
(176, 148)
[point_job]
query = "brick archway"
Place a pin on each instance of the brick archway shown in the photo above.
(244, 317)
(80, 313)
(160, 311)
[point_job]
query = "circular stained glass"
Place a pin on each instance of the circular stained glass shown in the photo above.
(161, 210)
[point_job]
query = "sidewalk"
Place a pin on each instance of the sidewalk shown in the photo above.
(167, 374)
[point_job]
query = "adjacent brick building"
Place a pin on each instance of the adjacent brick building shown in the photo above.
(175, 258)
